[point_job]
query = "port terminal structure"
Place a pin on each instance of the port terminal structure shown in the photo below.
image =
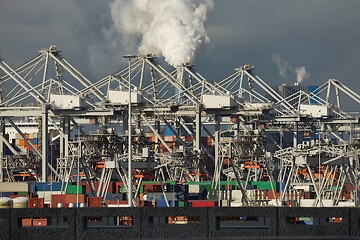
(177, 126)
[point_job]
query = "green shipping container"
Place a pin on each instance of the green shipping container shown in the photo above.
(73, 189)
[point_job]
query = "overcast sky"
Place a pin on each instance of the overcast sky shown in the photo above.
(322, 35)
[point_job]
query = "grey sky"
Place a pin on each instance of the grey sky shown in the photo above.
(322, 35)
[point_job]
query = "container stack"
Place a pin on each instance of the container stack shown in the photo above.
(45, 190)
(23, 145)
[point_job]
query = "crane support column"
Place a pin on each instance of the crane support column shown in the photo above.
(44, 144)
(2, 132)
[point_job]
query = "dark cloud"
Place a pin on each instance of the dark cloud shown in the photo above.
(321, 35)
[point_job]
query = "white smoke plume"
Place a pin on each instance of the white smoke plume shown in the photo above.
(283, 66)
(171, 28)
(301, 74)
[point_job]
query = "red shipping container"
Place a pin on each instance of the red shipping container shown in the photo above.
(57, 198)
(95, 202)
(203, 203)
(96, 186)
(36, 203)
(40, 222)
(67, 198)
(270, 195)
(26, 222)
(152, 188)
(72, 198)
(307, 195)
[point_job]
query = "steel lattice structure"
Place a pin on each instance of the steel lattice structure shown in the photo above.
(253, 132)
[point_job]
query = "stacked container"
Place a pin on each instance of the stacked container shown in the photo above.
(23, 145)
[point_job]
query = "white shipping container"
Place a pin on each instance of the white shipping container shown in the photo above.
(257, 106)
(46, 195)
(225, 203)
(122, 97)
(110, 164)
(346, 204)
(236, 204)
(307, 202)
(236, 194)
(305, 188)
(66, 102)
(315, 111)
(194, 189)
(145, 153)
(211, 101)
(15, 186)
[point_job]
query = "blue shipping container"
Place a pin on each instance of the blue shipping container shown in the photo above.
(48, 186)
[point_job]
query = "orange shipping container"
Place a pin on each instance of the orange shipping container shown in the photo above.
(26, 222)
(40, 222)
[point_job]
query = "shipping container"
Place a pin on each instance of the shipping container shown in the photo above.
(48, 186)
(47, 195)
(72, 198)
(36, 203)
(203, 203)
(152, 188)
(162, 203)
(67, 198)
(74, 189)
(40, 222)
(20, 202)
(266, 185)
(26, 222)
(95, 202)
(15, 186)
